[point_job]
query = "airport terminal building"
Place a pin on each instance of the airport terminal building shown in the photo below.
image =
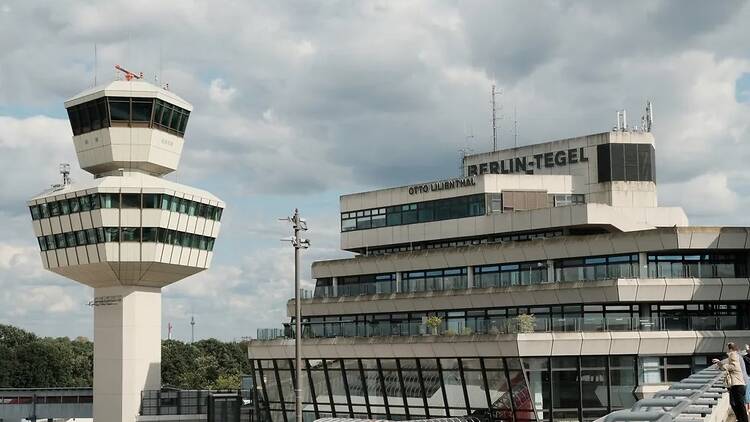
(544, 284)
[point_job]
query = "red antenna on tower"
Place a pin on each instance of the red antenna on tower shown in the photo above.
(129, 76)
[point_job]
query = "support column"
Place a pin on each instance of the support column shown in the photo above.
(127, 350)
(335, 282)
(642, 265)
(470, 277)
(398, 281)
(550, 271)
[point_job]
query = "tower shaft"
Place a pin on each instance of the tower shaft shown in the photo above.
(127, 350)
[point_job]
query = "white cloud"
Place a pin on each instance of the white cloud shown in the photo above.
(701, 196)
(221, 93)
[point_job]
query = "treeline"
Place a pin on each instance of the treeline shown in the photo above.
(28, 361)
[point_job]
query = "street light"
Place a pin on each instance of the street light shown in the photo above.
(299, 224)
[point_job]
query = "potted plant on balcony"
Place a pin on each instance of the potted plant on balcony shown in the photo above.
(434, 322)
(526, 323)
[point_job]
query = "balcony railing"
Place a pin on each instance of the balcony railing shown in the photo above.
(528, 324)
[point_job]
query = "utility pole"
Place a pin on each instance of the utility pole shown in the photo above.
(298, 224)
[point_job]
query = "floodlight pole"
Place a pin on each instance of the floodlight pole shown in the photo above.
(298, 224)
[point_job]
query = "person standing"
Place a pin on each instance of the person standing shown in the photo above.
(746, 359)
(734, 380)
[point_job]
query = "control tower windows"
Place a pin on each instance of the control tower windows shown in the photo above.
(88, 116)
(125, 234)
(131, 200)
(126, 200)
(131, 112)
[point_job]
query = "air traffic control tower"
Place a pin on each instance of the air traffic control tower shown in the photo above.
(128, 232)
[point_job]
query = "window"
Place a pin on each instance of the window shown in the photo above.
(142, 109)
(81, 238)
(420, 212)
(504, 275)
(698, 265)
(130, 234)
(448, 279)
(131, 200)
(119, 109)
(35, 213)
(85, 202)
(149, 234)
(88, 116)
(111, 234)
(151, 200)
(109, 200)
(626, 162)
(91, 236)
(74, 204)
(596, 268)
(60, 240)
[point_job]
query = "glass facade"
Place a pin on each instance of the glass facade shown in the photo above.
(125, 234)
(506, 275)
(88, 202)
(123, 111)
(697, 264)
(597, 268)
(714, 265)
(560, 388)
(562, 318)
(626, 162)
(418, 212)
(397, 389)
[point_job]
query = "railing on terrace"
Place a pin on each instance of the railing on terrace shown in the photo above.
(533, 324)
(184, 402)
(692, 399)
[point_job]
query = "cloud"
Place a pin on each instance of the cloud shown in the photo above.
(296, 103)
(706, 195)
(219, 92)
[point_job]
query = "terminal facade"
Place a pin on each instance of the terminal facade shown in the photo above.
(544, 284)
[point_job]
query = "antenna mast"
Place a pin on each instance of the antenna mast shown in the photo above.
(95, 64)
(494, 119)
(515, 127)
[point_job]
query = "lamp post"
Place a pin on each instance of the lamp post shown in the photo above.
(299, 224)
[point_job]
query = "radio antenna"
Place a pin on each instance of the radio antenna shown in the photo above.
(464, 151)
(515, 126)
(95, 64)
(494, 117)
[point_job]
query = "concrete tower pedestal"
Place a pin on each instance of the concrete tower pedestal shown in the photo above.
(127, 350)
(127, 233)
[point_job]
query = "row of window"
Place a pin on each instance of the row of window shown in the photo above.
(419, 212)
(118, 111)
(567, 318)
(564, 388)
(530, 273)
(125, 234)
(697, 265)
(125, 201)
(441, 244)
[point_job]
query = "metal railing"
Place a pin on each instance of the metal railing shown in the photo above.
(691, 399)
(511, 325)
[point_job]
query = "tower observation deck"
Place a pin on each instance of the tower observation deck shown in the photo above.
(127, 233)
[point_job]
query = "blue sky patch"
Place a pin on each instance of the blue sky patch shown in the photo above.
(742, 88)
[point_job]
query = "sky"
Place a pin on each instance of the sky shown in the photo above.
(298, 102)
